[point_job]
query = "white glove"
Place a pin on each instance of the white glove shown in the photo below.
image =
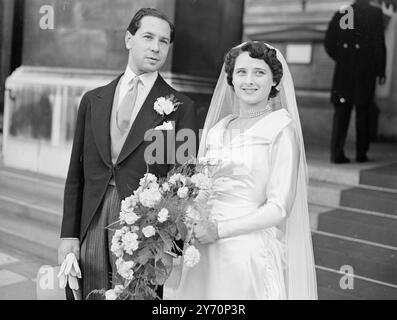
(69, 272)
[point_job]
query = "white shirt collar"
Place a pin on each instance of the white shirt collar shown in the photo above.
(147, 79)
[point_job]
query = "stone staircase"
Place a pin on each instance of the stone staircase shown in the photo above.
(30, 213)
(354, 223)
(353, 213)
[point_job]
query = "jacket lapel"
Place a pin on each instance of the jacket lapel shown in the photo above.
(146, 119)
(100, 114)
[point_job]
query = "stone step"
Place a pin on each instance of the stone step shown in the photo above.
(47, 214)
(31, 185)
(329, 288)
(372, 200)
(325, 193)
(385, 176)
(359, 225)
(31, 198)
(320, 170)
(367, 259)
(314, 212)
(370, 174)
(29, 236)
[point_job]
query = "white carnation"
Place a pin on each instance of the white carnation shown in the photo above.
(150, 197)
(174, 178)
(168, 106)
(148, 177)
(110, 295)
(117, 235)
(191, 256)
(158, 105)
(124, 268)
(162, 215)
(119, 289)
(137, 192)
(201, 181)
(177, 177)
(125, 204)
(183, 192)
(183, 179)
(119, 261)
(148, 231)
(130, 242)
(129, 217)
(117, 249)
(163, 105)
(149, 180)
(113, 294)
(125, 229)
(165, 186)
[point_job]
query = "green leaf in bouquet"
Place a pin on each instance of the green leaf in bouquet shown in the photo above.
(161, 272)
(150, 270)
(151, 293)
(144, 255)
(166, 239)
(173, 229)
(182, 229)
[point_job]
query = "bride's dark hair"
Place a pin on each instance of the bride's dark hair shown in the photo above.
(257, 50)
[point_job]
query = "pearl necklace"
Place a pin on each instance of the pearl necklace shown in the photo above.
(254, 112)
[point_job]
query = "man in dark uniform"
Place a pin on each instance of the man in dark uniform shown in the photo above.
(360, 58)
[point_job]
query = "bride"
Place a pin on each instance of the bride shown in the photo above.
(256, 243)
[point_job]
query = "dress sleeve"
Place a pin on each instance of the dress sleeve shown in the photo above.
(280, 190)
(285, 155)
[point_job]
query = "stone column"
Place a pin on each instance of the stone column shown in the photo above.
(6, 18)
(387, 101)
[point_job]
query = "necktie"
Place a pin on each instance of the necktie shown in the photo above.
(123, 115)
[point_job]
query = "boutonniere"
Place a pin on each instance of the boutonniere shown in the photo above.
(166, 105)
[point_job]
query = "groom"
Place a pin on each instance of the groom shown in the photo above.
(108, 155)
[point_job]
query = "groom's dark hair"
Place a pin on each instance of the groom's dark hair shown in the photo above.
(144, 12)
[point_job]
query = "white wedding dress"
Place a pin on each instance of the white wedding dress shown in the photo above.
(257, 167)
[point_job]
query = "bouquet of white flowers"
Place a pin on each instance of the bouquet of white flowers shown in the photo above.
(152, 219)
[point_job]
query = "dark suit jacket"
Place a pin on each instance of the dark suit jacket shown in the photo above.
(91, 168)
(359, 54)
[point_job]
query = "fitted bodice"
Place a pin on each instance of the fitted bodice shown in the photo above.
(253, 168)
(240, 178)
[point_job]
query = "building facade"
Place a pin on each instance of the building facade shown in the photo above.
(52, 51)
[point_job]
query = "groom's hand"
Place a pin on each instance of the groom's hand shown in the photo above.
(67, 246)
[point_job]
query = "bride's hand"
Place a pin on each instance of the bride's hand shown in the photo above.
(206, 231)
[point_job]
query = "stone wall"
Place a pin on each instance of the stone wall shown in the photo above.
(87, 33)
(295, 21)
(206, 30)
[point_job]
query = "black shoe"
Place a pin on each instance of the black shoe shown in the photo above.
(362, 159)
(341, 160)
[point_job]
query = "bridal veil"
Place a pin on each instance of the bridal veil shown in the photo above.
(300, 275)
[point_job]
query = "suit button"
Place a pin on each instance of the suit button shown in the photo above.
(357, 46)
(117, 167)
(342, 100)
(345, 45)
